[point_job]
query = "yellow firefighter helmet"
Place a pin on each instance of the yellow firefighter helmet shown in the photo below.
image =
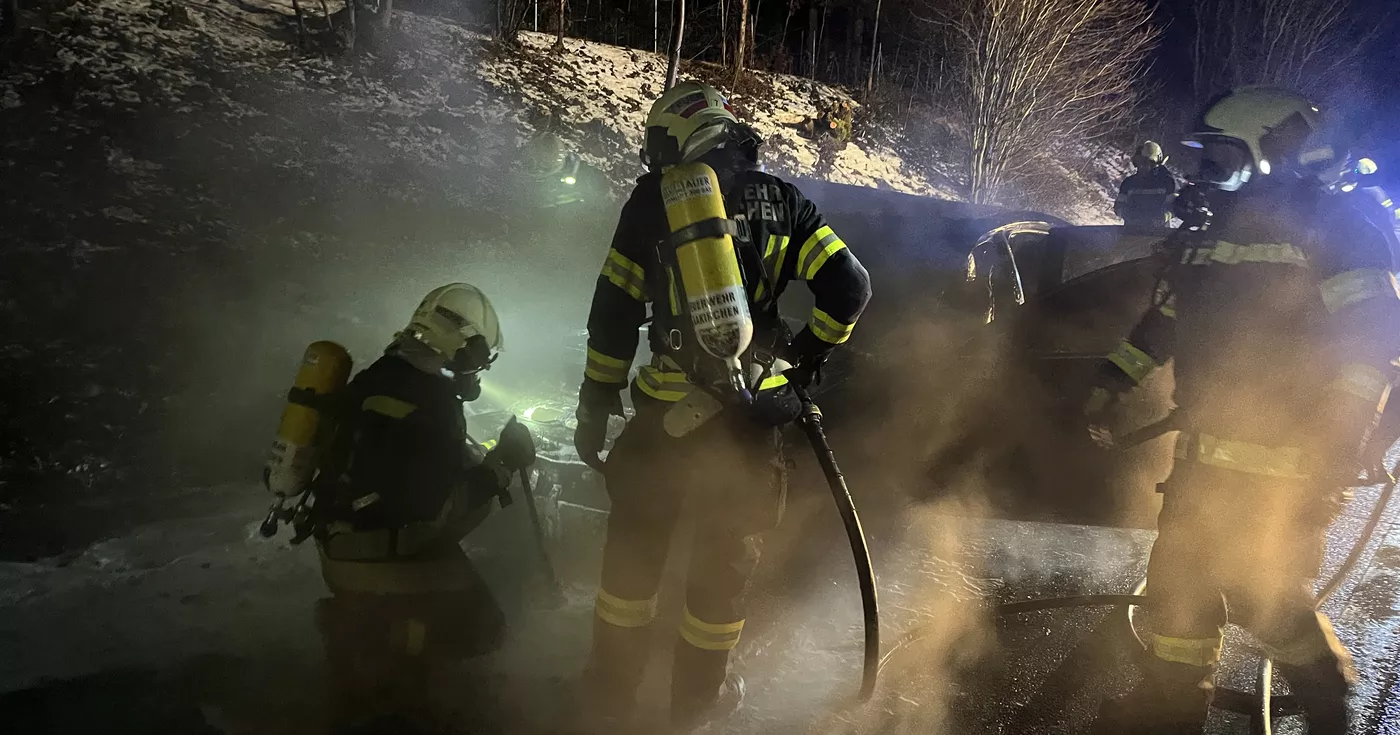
(1149, 154)
(686, 122)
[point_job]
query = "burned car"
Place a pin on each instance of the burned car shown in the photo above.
(1053, 301)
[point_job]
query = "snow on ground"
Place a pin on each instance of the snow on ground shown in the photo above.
(129, 53)
(601, 94)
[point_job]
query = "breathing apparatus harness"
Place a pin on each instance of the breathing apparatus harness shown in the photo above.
(327, 405)
(698, 217)
(668, 333)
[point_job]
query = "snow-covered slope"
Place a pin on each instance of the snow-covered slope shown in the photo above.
(601, 94)
(434, 95)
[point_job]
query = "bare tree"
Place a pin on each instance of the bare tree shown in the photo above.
(792, 6)
(874, 49)
(742, 43)
(563, 19)
(1307, 45)
(511, 17)
(674, 63)
(1029, 76)
(723, 33)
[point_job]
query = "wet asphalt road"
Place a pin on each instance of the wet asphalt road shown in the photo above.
(200, 621)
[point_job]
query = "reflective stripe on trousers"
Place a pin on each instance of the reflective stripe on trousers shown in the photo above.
(622, 612)
(710, 636)
(1203, 652)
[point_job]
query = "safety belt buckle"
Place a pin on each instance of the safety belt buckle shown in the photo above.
(673, 339)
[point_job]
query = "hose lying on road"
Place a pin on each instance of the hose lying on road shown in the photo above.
(811, 421)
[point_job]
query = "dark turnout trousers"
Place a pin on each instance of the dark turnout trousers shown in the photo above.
(1254, 543)
(390, 626)
(730, 473)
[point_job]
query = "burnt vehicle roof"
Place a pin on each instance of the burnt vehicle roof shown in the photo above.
(1068, 253)
(894, 232)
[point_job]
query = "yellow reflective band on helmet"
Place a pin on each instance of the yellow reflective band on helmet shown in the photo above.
(710, 636)
(1190, 651)
(776, 381)
(1361, 380)
(1134, 363)
(624, 613)
(828, 329)
(814, 253)
(773, 258)
(605, 368)
(1353, 287)
(663, 385)
(1255, 459)
(1229, 253)
(388, 406)
(625, 274)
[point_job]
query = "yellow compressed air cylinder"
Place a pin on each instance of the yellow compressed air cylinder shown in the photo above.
(711, 284)
(325, 368)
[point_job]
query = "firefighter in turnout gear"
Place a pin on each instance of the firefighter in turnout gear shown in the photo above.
(397, 489)
(692, 439)
(1281, 317)
(1145, 198)
(557, 172)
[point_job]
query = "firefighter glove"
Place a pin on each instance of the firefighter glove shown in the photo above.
(1100, 401)
(516, 448)
(808, 355)
(596, 402)
(589, 437)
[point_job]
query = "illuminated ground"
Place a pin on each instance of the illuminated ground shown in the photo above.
(201, 621)
(160, 272)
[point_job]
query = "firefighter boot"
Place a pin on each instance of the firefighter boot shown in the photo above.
(708, 715)
(1173, 699)
(607, 694)
(1322, 686)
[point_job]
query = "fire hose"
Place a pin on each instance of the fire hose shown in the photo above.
(811, 421)
(1261, 706)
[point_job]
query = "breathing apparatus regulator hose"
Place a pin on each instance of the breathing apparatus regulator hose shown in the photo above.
(811, 421)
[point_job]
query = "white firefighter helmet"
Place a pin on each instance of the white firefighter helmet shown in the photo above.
(1150, 153)
(686, 122)
(1261, 130)
(458, 325)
